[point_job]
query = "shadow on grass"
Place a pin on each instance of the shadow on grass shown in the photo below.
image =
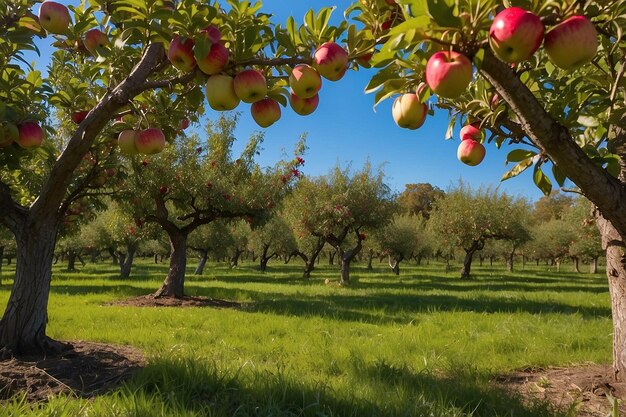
(193, 385)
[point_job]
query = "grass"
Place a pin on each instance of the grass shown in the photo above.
(422, 344)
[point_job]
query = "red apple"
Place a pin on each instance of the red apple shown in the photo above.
(220, 92)
(181, 55)
(515, 34)
(470, 152)
(30, 135)
(331, 61)
(364, 60)
(250, 86)
(79, 116)
(9, 133)
(184, 123)
(150, 141)
(126, 142)
(265, 112)
(471, 131)
(163, 189)
(305, 81)
(215, 59)
(572, 43)
(54, 17)
(95, 40)
(304, 106)
(448, 73)
(408, 111)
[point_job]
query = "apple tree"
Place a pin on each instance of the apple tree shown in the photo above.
(213, 238)
(272, 239)
(341, 204)
(399, 239)
(418, 198)
(586, 245)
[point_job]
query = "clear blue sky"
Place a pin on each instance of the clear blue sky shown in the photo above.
(345, 129)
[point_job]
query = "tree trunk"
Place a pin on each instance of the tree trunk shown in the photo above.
(346, 259)
(576, 264)
(509, 261)
(418, 260)
(477, 245)
(174, 284)
(202, 263)
(126, 262)
(71, 261)
(23, 325)
(234, 260)
(593, 266)
(394, 263)
(94, 256)
(1, 260)
(331, 257)
(156, 258)
(113, 256)
(613, 243)
(370, 256)
(558, 265)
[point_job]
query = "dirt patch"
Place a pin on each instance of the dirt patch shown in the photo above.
(85, 370)
(151, 301)
(588, 389)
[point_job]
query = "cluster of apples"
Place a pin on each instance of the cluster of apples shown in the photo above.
(28, 135)
(471, 151)
(55, 18)
(148, 141)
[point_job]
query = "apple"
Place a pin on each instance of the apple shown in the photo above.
(163, 189)
(30, 135)
(448, 73)
(95, 40)
(408, 111)
(470, 152)
(305, 81)
(250, 86)
(220, 93)
(184, 124)
(572, 43)
(216, 58)
(9, 133)
(304, 106)
(54, 17)
(471, 131)
(126, 142)
(181, 55)
(331, 61)
(265, 112)
(150, 141)
(364, 60)
(79, 116)
(515, 34)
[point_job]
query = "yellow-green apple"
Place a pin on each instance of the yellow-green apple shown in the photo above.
(126, 142)
(211, 55)
(265, 112)
(471, 152)
(9, 133)
(250, 85)
(94, 40)
(79, 116)
(515, 34)
(471, 131)
(150, 141)
(408, 111)
(331, 61)
(572, 43)
(54, 17)
(304, 106)
(448, 73)
(180, 53)
(220, 93)
(305, 81)
(30, 135)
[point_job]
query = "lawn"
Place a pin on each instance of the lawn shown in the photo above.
(421, 344)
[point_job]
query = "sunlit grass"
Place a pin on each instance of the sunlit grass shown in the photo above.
(422, 344)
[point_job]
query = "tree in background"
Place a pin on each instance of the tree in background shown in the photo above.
(400, 239)
(467, 218)
(272, 239)
(418, 199)
(586, 244)
(344, 203)
(551, 206)
(214, 238)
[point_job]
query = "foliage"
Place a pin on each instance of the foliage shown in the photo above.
(419, 198)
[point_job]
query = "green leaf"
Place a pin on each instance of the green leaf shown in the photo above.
(559, 176)
(519, 155)
(443, 12)
(588, 121)
(542, 181)
(518, 169)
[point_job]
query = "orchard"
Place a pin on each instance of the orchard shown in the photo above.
(109, 125)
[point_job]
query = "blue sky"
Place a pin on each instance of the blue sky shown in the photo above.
(345, 129)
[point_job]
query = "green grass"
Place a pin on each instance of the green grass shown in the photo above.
(422, 344)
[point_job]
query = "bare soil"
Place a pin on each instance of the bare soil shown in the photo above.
(151, 301)
(586, 389)
(85, 370)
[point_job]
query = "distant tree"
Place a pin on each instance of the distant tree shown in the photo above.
(552, 240)
(467, 218)
(419, 199)
(214, 238)
(240, 234)
(272, 239)
(587, 243)
(344, 203)
(551, 206)
(399, 239)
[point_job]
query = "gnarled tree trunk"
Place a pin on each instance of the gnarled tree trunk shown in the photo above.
(203, 258)
(477, 245)
(593, 266)
(126, 262)
(174, 284)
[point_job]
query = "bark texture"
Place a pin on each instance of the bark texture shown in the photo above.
(174, 284)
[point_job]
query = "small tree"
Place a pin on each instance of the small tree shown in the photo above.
(272, 239)
(399, 239)
(587, 243)
(214, 238)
